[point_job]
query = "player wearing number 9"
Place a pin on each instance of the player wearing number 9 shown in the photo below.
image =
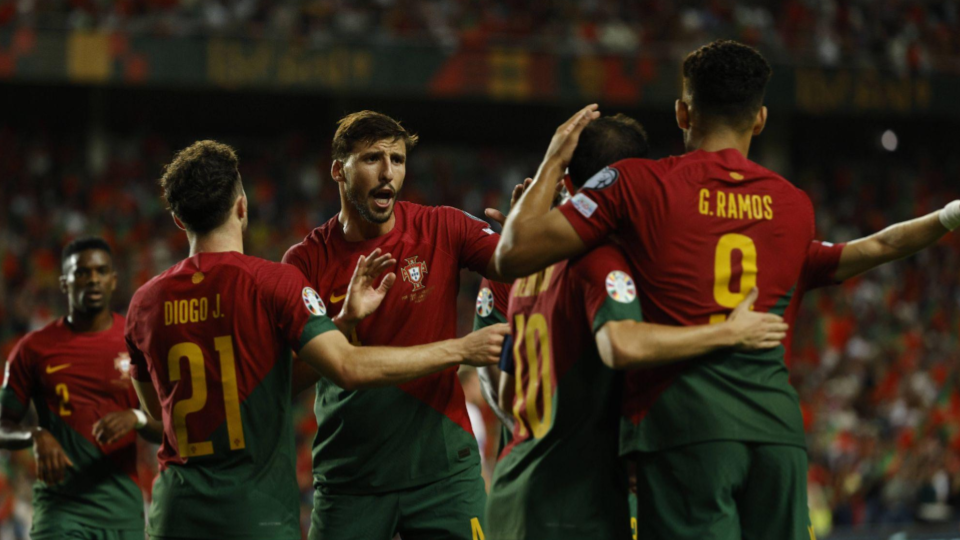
(214, 334)
(719, 442)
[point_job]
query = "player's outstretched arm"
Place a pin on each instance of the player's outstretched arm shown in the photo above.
(897, 241)
(634, 345)
(353, 368)
(534, 237)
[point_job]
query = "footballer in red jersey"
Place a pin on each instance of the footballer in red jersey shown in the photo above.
(701, 230)
(210, 340)
(76, 372)
(401, 459)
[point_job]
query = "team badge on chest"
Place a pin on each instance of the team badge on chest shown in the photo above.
(415, 271)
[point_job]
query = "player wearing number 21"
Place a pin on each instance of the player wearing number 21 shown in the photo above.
(221, 377)
(718, 441)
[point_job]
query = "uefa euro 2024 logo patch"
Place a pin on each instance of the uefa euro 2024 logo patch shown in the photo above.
(313, 302)
(414, 272)
(485, 302)
(620, 287)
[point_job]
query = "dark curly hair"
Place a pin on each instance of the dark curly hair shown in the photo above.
(727, 81)
(201, 185)
(605, 141)
(368, 127)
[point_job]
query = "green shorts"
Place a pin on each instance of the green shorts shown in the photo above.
(723, 490)
(71, 530)
(451, 508)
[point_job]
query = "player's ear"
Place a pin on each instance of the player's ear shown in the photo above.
(683, 114)
(63, 284)
(336, 171)
(242, 206)
(760, 122)
(179, 223)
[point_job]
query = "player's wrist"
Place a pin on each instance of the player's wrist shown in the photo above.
(141, 417)
(950, 215)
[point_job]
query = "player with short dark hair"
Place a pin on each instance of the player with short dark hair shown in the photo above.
(76, 372)
(214, 335)
(719, 441)
(404, 458)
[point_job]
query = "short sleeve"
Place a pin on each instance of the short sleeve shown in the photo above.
(821, 264)
(298, 309)
(19, 381)
(491, 304)
(609, 290)
(296, 257)
(597, 208)
(474, 240)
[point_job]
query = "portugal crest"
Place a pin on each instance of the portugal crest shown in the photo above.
(414, 272)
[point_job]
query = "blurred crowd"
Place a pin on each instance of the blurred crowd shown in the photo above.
(909, 36)
(875, 360)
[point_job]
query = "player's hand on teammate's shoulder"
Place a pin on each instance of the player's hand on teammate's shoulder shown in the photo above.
(114, 426)
(52, 461)
(363, 298)
(483, 347)
(753, 330)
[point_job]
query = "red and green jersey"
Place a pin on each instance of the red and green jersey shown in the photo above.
(408, 435)
(560, 477)
(214, 335)
(74, 379)
(492, 301)
(701, 230)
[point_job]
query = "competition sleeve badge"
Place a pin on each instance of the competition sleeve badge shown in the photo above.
(314, 303)
(620, 287)
(414, 272)
(485, 302)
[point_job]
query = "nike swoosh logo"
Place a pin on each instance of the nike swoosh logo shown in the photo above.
(54, 369)
(334, 298)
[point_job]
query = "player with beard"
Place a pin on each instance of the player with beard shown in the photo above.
(213, 335)
(404, 458)
(76, 371)
(719, 440)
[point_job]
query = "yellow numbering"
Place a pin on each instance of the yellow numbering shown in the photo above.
(197, 401)
(475, 529)
(64, 394)
(633, 528)
(723, 272)
(534, 332)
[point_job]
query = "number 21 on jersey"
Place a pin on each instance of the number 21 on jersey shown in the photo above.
(723, 272)
(198, 400)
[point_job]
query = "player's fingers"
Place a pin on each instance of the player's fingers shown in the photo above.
(747, 302)
(576, 118)
(387, 283)
(41, 469)
(495, 215)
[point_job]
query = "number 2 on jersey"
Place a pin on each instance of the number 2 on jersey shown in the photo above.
(539, 377)
(723, 272)
(198, 400)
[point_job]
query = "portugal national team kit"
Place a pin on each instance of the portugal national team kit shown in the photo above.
(559, 478)
(74, 379)
(400, 458)
(214, 335)
(701, 230)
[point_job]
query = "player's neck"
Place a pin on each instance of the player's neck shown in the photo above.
(98, 322)
(715, 141)
(218, 240)
(357, 229)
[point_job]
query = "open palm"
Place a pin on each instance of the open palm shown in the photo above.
(363, 297)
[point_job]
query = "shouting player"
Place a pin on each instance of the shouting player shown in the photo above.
(579, 315)
(400, 459)
(214, 334)
(77, 373)
(719, 442)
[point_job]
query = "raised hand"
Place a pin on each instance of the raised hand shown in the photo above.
(483, 347)
(362, 297)
(114, 426)
(756, 331)
(497, 215)
(565, 140)
(52, 461)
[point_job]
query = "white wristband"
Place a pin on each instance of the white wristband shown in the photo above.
(950, 215)
(141, 418)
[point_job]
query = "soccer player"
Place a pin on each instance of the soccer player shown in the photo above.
(76, 371)
(719, 442)
(213, 334)
(567, 322)
(399, 459)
